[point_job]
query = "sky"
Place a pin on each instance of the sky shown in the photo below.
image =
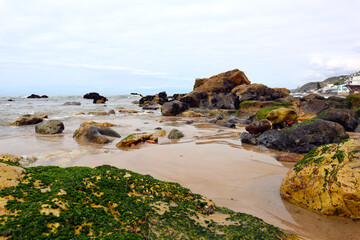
(118, 46)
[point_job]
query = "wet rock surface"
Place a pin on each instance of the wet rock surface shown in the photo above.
(50, 127)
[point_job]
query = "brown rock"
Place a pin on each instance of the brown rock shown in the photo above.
(29, 119)
(160, 133)
(98, 113)
(136, 138)
(257, 128)
(191, 114)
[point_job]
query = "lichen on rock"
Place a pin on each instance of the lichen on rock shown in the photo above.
(327, 180)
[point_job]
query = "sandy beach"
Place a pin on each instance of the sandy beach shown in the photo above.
(210, 160)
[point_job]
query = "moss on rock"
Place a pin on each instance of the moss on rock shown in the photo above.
(110, 203)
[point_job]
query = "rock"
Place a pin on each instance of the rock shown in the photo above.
(313, 103)
(100, 99)
(94, 134)
(248, 138)
(233, 120)
(346, 117)
(29, 119)
(37, 96)
(10, 175)
(151, 107)
(281, 115)
(175, 134)
(189, 122)
(353, 100)
(50, 127)
(226, 124)
(301, 138)
(71, 103)
(159, 98)
(128, 111)
(136, 138)
(338, 102)
(173, 108)
(327, 180)
(160, 133)
(269, 138)
(312, 96)
(91, 95)
(215, 92)
(257, 92)
(248, 108)
(257, 128)
(191, 114)
(218, 117)
(80, 113)
(112, 111)
(105, 124)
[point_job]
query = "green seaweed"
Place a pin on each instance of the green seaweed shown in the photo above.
(306, 159)
(262, 113)
(110, 203)
(339, 155)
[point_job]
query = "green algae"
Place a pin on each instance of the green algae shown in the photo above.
(110, 203)
(262, 113)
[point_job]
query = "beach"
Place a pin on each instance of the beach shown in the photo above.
(209, 159)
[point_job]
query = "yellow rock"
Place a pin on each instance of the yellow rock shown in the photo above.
(160, 133)
(281, 115)
(10, 175)
(136, 138)
(327, 180)
(191, 114)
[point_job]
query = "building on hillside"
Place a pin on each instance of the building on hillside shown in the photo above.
(353, 84)
(333, 89)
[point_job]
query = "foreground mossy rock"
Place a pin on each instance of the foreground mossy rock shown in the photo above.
(110, 203)
(346, 117)
(50, 127)
(327, 180)
(281, 115)
(29, 119)
(353, 100)
(136, 138)
(94, 133)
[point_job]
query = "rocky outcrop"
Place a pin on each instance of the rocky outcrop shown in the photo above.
(50, 127)
(94, 133)
(215, 92)
(301, 138)
(313, 103)
(37, 96)
(327, 180)
(159, 98)
(97, 98)
(28, 119)
(173, 108)
(137, 138)
(257, 92)
(346, 117)
(353, 100)
(282, 117)
(175, 134)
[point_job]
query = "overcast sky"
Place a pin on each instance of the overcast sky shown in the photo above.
(119, 46)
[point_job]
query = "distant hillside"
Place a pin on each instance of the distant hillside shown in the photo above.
(313, 85)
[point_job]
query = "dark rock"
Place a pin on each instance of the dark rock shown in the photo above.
(10, 100)
(37, 96)
(178, 96)
(154, 108)
(50, 127)
(228, 125)
(189, 122)
(313, 106)
(91, 95)
(158, 128)
(269, 138)
(248, 138)
(100, 99)
(233, 120)
(302, 138)
(159, 98)
(173, 108)
(112, 111)
(218, 117)
(95, 134)
(257, 128)
(71, 103)
(346, 117)
(312, 96)
(175, 134)
(353, 100)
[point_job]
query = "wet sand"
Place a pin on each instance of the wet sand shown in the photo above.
(210, 160)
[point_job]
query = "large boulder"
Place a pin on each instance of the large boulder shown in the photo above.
(346, 117)
(327, 180)
(301, 138)
(50, 127)
(353, 100)
(97, 98)
(173, 108)
(95, 134)
(29, 119)
(313, 103)
(215, 92)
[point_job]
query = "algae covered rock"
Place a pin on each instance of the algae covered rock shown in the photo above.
(327, 180)
(50, 127)
(29, 119)
(175, 134)
(281, 115)
(110, 203)
(136, 138)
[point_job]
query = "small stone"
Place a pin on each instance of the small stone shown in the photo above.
(175, 134)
